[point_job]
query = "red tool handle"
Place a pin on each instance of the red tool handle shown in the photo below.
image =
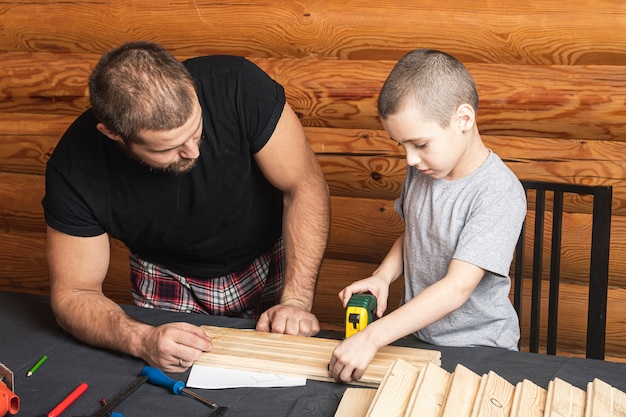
(9, 402)
(68, 400)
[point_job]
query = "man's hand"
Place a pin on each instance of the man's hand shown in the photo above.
(173, 347)
(288, 319)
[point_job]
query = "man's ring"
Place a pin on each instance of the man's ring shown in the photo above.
(180, 362)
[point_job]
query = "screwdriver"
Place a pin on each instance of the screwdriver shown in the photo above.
(157, 377)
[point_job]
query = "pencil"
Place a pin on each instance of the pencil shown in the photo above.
(37, 365)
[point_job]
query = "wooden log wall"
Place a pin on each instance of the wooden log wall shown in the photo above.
(551, 76)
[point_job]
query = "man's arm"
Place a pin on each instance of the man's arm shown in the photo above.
(289, 163)
(78, 266)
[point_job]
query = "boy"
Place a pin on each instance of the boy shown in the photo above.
(463, 210)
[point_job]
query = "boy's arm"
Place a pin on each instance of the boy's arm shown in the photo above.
(351, 358)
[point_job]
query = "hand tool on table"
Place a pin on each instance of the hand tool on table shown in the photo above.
(360, 311)
(118, 398)
(157, 377)
(9, 401)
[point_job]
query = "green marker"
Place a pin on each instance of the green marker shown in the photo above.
(37, 365)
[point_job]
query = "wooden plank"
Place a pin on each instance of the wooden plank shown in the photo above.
(355, 402)
(393, 395)
(429, 394)
(464, 385)
(495, 397)
(529, 400)
(604, 400)
(523, 33)
(297, 355)
(564, 102)
(362, 229)
(31, 136)
(564, 400)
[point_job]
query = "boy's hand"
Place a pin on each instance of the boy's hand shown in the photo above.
(375, 285)
(351, 358)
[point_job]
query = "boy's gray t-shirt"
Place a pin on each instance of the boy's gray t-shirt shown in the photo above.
(476, 219)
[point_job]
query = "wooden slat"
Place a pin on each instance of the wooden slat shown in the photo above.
(394, 393)
(565, 102)
(355, 402)
(604, 400)
(525, 33)
(428, 396)
(564, 400)
(529, 400)
(298, 355)
(462, 392)
(494, 398)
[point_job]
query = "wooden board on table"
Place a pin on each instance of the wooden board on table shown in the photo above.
(494, 398)
(429, 394)
(462, 392)
(529, 400)
(298, 355)
(604, 400)
(355, 402)
(564, 400)
(394, 393)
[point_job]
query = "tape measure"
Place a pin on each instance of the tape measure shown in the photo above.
(360, 311)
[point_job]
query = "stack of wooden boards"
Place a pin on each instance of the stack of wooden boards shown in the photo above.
(431, 391)
(298, 355)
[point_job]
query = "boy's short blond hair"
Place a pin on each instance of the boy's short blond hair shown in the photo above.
(435, 82)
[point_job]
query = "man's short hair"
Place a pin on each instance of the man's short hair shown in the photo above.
(141, 86)
(433, 81)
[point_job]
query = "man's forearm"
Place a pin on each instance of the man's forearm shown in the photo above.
(306, 225)
(98, 321)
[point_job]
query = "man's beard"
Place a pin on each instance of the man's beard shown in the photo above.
(181, 166)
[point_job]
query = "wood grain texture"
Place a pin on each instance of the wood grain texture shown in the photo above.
(464, 385)
(429, 394)
(494, 398)
(564, 400)
(604, 400)
(529, 400)
(509, 32)
(355, 402)
(394, 393)
(298, 355)
(565, 102)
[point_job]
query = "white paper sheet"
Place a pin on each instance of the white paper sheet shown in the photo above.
(208, 377)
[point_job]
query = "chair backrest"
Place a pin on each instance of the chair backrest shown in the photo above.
(598, 271)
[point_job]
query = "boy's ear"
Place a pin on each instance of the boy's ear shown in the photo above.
(465, 117)
(108, 132)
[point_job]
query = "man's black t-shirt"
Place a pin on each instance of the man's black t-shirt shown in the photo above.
(207, 222)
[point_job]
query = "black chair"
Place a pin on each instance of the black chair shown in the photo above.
(598, 274)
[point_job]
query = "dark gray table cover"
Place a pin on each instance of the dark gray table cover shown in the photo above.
(28, 331)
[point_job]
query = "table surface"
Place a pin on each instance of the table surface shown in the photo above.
(28, 331)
